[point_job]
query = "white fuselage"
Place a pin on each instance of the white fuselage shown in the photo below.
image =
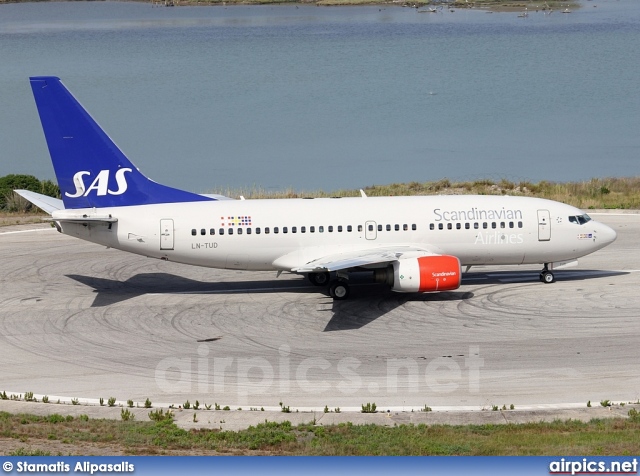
(286, 234)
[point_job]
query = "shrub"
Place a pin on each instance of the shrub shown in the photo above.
(186, 405)
(160, 415)
(12, 182)
(126, 415)
(130, 403)
(369, 408)
(147, 403)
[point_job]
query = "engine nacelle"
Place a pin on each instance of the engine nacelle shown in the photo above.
(424, 274)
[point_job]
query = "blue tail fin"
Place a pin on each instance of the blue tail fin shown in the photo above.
(91, 170)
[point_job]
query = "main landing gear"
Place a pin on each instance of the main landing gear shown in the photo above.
(338, 288)
(319, 279)
(547, 276)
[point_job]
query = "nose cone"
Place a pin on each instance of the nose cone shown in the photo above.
(606, 235)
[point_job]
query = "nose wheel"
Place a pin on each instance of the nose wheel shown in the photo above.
(547, 276)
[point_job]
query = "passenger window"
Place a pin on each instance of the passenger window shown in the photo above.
(230, 231)
(239, 231)
(303, 229)
(349, 228)
(330, 228)
(285, 230)
(321, 229)
(440, 226)
(476, 226)
(388, 227)
(276, 229)
(467, 226)
(203, 231)
(339, 228)
(370, 227)
(405, 227)
(396, 227)
(221, 231)
(248, 231)
(519, 224)
(258, 231)
(212, 231)
(312, 229)
(266, 230)
(432, 226)
(493, 224)
(414, 227)
(449, 226)
(485, 225)
(194, 232)
(458, 226)
(502, 224)
(360, 228)
(294, 229)
(379, 227)
(510, 224)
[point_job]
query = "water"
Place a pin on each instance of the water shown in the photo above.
(328, 98)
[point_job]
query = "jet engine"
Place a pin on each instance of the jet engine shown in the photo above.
(424, 274)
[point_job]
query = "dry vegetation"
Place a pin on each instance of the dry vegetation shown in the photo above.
(53, 434)
(607, 193)
(596, 193)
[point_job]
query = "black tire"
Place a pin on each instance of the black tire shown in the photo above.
(339, 290)
(548, 277)
(319, 279)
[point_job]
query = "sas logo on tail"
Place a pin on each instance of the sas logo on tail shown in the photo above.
(100, 184)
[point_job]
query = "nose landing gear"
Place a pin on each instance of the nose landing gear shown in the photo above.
(547, 276)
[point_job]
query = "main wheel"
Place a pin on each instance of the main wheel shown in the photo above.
(318, 279)
(339, 290)
(547, 277)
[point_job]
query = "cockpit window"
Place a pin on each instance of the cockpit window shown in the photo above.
(580, 219)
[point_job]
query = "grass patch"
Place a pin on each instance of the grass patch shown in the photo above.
(597, 437)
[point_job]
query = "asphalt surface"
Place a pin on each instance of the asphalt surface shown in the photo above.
(81, 321)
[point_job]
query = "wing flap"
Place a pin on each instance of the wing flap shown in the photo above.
(361, 258)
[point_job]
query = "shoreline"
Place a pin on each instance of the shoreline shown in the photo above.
(503, 6)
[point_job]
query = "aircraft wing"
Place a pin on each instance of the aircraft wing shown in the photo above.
(362, 258)
(44, 202)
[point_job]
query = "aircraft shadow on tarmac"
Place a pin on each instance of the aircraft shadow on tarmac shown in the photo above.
(367, 302)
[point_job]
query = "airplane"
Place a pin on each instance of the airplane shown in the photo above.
(410, 243)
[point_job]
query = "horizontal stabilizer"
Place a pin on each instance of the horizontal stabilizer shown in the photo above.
(44, 202)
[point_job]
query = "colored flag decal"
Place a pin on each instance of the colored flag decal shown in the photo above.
(585, 236)
(236, 221)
